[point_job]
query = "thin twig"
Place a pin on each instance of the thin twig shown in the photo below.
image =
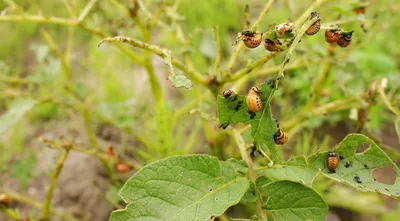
(288, 55)
(160, 52)
(86, 10)
(50, 192)
(249, 68)
(239, 47)
(218, 52)
(251, 173)
(26, 200)
(306, 13)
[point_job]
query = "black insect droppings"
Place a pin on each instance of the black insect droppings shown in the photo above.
(387, 189)
(365, 166)
(223, 126)
(341, 157)
(252, 114)
(238, 105)
(357, 179)
(347, 164)
(210, 190)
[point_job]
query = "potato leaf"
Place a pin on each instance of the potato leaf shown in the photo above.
(292, 201)
(355, 169)
(183, 188)
(263, 126)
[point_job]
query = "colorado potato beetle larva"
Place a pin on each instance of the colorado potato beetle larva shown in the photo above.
(253, 100)
(252, 39)
(332, 161)
(345, 39)
(314, 28)
(332, 35)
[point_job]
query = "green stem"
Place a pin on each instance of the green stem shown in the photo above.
(160, 52)
(50, 192)
(251, 173)
(26, 200)
(239, 47)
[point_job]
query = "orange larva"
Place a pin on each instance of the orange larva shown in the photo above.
(253, 100)
(123, 168)
(332, 161)
(332, 35)
(4, 200)
(314, 28)
(344, 39)
(252, 39)
(110, 150)
(280, 137)
(271, 45)
(227, 93)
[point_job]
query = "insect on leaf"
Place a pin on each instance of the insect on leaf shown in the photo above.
(263, 126)
(355, 169)
(182, 188)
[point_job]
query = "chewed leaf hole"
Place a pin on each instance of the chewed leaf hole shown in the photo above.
(362, 147)
(386, 175)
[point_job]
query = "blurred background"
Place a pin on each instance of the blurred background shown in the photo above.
(58, 90)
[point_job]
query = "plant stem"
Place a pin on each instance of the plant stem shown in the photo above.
(249, 68)
(23, 199)
(86, 10)
(218, 52)
(240, 46)
(386, 101)
(160, 52)
(288, 55)
(50, 192)
(251, 173)
(100, 155)
(307, 12)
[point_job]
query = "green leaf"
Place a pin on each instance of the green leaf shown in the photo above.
(263, 126)
(293, 173)
(182, 188)
(355, 169)
(293, 201)
(16, 111)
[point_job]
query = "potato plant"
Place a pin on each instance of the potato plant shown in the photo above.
(230, 122)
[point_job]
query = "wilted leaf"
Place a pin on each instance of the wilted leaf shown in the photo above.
(355, 169)
(293, 201)
(263, 126)
(179, 80)
(182, 188)
(15, 113)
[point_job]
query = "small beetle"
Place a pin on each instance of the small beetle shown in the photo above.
(332, 161)
(253, 100)
(344, 39)
(252, 39)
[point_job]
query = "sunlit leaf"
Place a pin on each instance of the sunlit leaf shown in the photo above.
(182, 188)
(292, 201)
